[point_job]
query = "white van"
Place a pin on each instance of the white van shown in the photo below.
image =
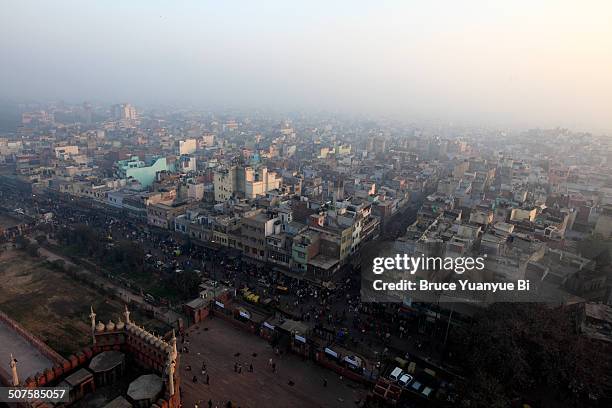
(396, 374)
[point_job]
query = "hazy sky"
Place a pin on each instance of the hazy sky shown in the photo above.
(511, 62)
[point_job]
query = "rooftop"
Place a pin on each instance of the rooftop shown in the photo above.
(106, 360)
(118, 402)
(145, 387)
(78, 377)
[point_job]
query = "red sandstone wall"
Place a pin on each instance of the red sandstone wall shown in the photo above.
(109, 341)
(37, 343)
(344, 371)
(248, 326)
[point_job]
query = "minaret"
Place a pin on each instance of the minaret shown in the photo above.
(170, 370)
(14, 371)
(173, 344)
(126, 313)
(92, 317)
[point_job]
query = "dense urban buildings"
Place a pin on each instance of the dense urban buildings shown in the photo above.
(315, 204)
(267, 230)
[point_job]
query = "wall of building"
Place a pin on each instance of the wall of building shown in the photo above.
(188, 146)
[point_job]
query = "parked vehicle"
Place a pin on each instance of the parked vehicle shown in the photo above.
(427, 392)
(416, 386)
(396, 374)
(405, 379)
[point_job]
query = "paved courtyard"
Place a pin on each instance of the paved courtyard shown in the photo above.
(296, 383)
(29, 360)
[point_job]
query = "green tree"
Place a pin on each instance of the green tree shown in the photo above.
(187, 284)
(32, 249)
(125, 256)
(512, 350)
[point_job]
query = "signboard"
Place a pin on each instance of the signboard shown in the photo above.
(268, 325)
(352, 362)
(245, 314)
(221, 305)
(331, 352)
(300, 338)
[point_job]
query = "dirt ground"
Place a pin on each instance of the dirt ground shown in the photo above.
(50, 304)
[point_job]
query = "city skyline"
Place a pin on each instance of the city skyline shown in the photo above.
(527, 64)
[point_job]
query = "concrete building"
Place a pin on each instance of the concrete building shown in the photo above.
(603, 226)
(523, 214)
(188, 146)
(195, 191)
(64, 152)
(208, 140)
(162, 215)
(123, 111)
(254, 229)
(306, 247)
(143, 172)
(225, 184)
(245, 182)
(259, 182)
(186, 164)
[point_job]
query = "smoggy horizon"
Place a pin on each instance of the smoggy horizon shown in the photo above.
(524, 64)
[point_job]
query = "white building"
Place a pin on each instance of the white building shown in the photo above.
(246, 182)
(64, 152)
(188, 146)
